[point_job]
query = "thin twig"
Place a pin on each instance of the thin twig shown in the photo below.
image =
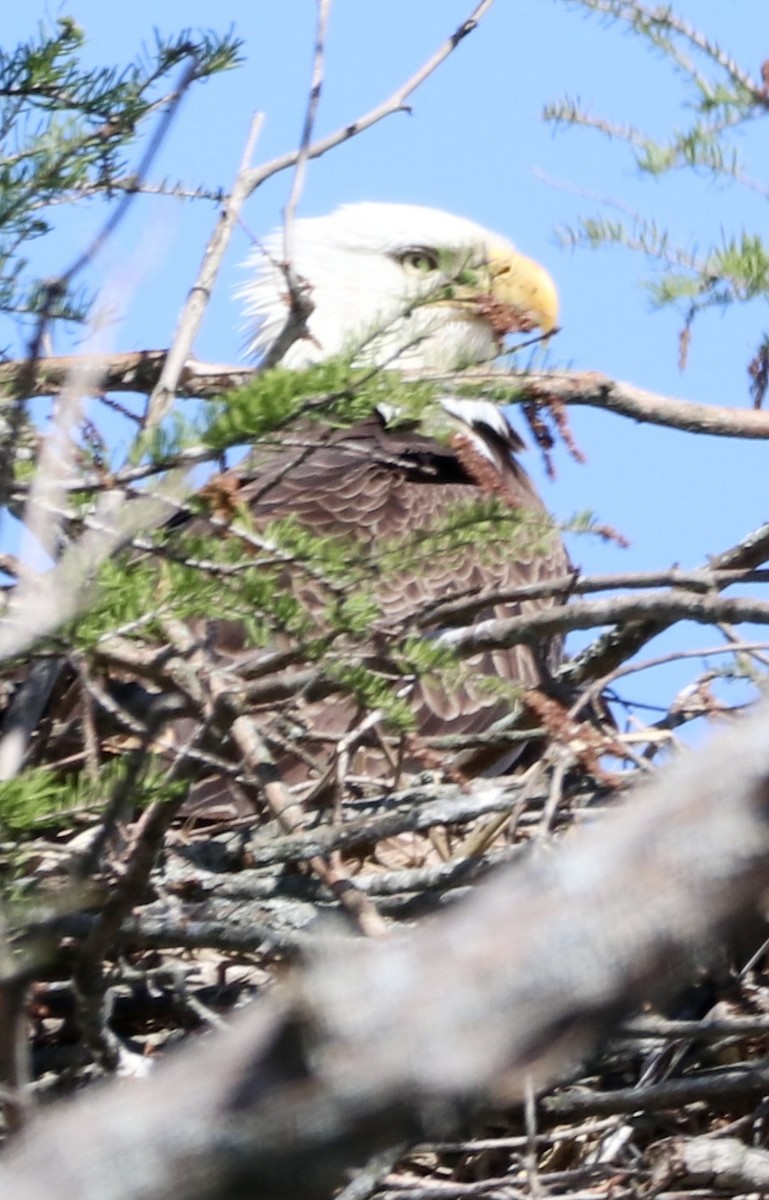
(395, 103)
(313, 99)
(200, 293)
(298, 290)
(618, 645)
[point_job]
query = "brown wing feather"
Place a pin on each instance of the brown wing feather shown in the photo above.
(381, 487)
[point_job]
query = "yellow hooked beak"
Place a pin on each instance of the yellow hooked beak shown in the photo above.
(504, 290)
(524, 290)
(509, 292)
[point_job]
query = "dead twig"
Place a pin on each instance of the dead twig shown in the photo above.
(302, 158)
(395, 103)
(187, 326)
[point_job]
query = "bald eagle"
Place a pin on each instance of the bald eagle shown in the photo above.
(418, 289)
(410, 289)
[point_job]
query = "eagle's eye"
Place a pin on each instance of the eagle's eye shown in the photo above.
(418, 260)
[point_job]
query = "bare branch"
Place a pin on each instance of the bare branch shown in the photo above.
(665, 609)
(395, 103)
(599, 391)
(617, 645)
(464, 606)
(744, 1081)
(701, 652)
(298, 290)
(300, 170)
(130, 371)
(200, 293)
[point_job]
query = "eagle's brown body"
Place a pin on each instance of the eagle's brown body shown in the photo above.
(388, 494)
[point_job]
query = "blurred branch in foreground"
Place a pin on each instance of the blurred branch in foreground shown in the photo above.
(378, 1043)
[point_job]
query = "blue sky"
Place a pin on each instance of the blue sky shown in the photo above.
(475, 144)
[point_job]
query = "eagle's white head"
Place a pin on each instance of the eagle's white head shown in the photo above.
(398, 284)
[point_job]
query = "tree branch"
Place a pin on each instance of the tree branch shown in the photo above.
(661, 609)
(375, 1044)
(139, 371)
(617, 645)
(599, 391)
